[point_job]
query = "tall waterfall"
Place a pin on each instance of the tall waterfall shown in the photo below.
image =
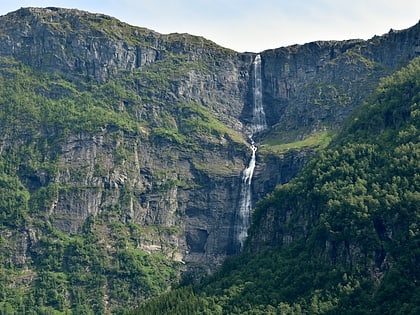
(258, 117)
(258, 124)
(245, 204)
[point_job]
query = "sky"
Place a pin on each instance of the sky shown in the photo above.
(253, 26)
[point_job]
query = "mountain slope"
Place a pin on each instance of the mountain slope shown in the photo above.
(122, 150)
(341, 238)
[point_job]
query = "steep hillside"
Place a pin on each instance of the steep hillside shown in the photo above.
(122, 150)
(341, 238)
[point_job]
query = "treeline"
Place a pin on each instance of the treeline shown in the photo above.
(353, 217)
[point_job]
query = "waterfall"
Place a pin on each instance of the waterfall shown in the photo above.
(258, 117)
(258, 124)
(245, 205)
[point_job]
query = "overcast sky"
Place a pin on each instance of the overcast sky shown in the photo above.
(257, 25)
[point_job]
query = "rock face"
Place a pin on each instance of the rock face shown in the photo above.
(315, 86)
(148, 189)
(184, 195)
(68, 42)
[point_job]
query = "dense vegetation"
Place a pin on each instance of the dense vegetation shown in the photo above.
(350, 243)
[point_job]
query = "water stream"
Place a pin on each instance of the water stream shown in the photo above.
(258, 124)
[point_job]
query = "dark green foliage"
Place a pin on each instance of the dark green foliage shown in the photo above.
(352, 220)
(81, 275)
(172, 303)
(14, 199)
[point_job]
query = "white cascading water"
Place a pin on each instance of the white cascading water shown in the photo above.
(245, 204)
(258, 117)
(258, 124)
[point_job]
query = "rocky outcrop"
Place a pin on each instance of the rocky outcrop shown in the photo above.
(315, 86)
(71, 42)
(273, 170)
